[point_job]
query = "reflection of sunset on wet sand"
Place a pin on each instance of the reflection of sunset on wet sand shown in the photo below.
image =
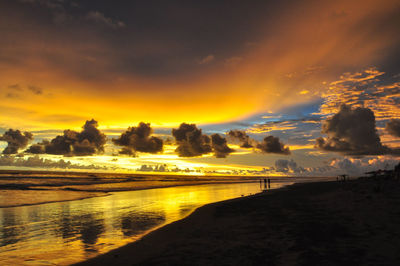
(85, 228)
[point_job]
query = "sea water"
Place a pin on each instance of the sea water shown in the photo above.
(72, 231)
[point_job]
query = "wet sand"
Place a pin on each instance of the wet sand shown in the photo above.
(36, 197)
(327, 223)
(24, 188)
(42, 195)
(74, 231)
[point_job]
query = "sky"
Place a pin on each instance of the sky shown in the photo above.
(297, 88)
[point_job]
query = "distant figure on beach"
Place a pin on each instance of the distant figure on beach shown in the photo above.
(265, 184)
(269, 183)
(260, 184)
(342, 178)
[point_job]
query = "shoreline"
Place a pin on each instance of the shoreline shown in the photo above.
(109, 192)
(158, 232)
(321, 223)
(55, 201)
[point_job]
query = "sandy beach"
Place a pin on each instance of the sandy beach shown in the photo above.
(326, 223)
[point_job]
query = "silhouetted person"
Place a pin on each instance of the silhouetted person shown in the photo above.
(269, 183)
(265, 184)
(260, 184)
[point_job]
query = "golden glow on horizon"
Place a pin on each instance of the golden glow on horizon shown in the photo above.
(174, 165)
(65, 108)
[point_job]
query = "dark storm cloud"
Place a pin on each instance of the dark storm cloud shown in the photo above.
(127, 151)
(220, 146)
(242, 137)
(37, 148)
(154, 38)
(91, 134)
(139, 139)
(16, 140)
(159, 38)
(393, 127)
(60, 145)
(286, 166)
(191, 141)
(87, 142)
(271, 144)
(182, 30)
(352, 132)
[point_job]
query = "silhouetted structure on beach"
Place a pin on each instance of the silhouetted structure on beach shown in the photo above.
(386, 174)
(342, 177)
(381, 174)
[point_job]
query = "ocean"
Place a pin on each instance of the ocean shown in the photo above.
(59, 218)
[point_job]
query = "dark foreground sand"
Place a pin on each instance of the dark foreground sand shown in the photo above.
(330, 223)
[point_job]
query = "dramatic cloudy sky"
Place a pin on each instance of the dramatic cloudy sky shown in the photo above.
(242, 87)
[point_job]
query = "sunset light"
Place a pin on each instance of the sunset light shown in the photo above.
(101, 98)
